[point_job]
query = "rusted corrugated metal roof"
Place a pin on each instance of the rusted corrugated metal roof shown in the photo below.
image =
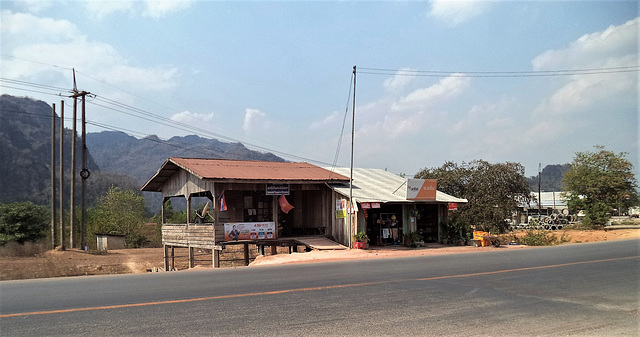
(224, 169)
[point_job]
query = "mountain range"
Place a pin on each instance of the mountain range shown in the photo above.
(114, 158)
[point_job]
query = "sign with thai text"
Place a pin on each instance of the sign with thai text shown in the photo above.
(278, 189)
(421, 189)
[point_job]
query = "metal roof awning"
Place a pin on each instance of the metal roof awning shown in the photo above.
(376, 185)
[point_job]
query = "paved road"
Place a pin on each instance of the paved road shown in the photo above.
(582, 289)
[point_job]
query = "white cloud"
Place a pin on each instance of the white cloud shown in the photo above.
(158, 9)
(612, 48)
(50, 42)
(331, 120)
(255, 119)
(455, 12)
(192, 117)
(593, 50)
(446, 88)
(399, 81)
(101, 9)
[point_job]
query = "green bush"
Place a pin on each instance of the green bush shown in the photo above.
(22, 222)
(542, 238)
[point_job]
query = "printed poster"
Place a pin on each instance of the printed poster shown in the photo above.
(249, 231)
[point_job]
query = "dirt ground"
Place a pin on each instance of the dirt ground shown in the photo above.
(74, 262)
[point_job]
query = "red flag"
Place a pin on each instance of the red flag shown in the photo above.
(223, 203)
(285, 206)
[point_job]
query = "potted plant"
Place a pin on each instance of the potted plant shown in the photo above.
(413, 239)
(361, 240)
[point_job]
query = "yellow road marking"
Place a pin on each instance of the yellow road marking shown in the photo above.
(276, 292)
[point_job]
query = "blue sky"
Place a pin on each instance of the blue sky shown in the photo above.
(277, 75)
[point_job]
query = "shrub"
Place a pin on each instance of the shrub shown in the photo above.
(542, 238)
(22, 222)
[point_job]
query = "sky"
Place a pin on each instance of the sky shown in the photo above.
(531, 82)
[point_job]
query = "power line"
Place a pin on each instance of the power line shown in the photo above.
(500, 74)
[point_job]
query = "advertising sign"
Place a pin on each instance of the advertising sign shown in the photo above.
(341, 208)
(421, 189)
(453, 206)
(277, 189)
(249, 231)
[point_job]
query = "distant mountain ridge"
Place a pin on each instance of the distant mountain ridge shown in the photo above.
(25, 149)
(112, 157)
(550, 178)
(140, 158)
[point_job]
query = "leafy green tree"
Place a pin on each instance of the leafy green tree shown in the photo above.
(494, 191)
(599, 182)
(22, 222)
(120, 212)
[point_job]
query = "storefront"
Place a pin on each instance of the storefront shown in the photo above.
(388, 206)
(244, 202)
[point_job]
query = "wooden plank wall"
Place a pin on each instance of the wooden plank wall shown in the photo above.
(197, 236)
(184, 183)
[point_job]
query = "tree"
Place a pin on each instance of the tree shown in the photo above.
(494, 191)
(22, 222)
(120, 212)
(599, 182)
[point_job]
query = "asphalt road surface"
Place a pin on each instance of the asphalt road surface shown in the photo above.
(580, 289)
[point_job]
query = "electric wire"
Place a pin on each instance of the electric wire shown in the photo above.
(344, 121)
(497, 74)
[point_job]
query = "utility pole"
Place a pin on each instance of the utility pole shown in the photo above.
(84, 173)
(54, 236)
(539, 192)
(353, 121)
(62, 243)
(72, 203)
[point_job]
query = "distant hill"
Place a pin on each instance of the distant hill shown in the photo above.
(25, 149)
(114, 158)
(141, 158)
(550, 178)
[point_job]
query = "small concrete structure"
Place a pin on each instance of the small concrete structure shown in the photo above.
(109, 241)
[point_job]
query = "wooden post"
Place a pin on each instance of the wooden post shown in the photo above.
(166, 258)
(216, 258)
(173, 258)
(83, 222)
(62, 240)
(54, 233)
(274, 249)
(72, 201)
(191, 259)
(246, 253)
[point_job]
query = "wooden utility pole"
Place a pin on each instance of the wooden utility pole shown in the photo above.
(72, 202)
(84, 174)
(54, 236)
(62, 243)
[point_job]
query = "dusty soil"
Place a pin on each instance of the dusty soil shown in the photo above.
(76, 262)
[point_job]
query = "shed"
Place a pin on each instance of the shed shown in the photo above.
(109, 241)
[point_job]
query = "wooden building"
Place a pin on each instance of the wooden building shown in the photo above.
(246, 202)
